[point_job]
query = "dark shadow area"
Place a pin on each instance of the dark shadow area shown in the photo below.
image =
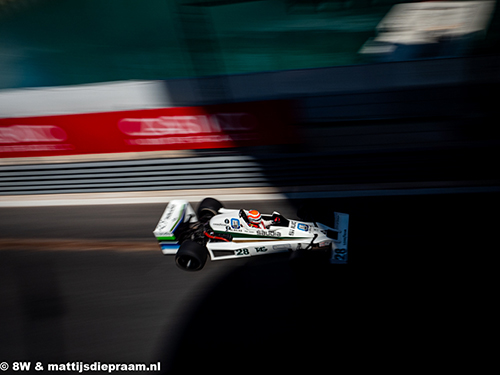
(269, 315)
(419, 231)
(43, 307)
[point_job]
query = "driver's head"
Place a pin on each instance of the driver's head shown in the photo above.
(254, 217)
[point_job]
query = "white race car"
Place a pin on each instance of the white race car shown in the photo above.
(228, 234)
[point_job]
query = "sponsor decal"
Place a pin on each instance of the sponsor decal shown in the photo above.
(219, 224)
(268, 233)
(170, 210)
(302, 227)
(235, 224)
(161, 226)
(165, 220)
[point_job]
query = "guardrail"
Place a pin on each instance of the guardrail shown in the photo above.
(291, 172)
(134, 175)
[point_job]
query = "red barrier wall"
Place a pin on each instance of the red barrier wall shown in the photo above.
(214, 126)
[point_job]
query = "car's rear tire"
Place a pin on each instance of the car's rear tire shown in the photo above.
(208, 208)
(305, 212)
(191, 256)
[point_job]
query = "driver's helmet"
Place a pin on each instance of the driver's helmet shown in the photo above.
(254, 218)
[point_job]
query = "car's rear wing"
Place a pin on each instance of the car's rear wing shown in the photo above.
(339, 248)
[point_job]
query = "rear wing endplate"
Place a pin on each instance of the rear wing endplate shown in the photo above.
(339, 248)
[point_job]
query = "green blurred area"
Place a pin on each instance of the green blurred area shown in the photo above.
(64, 42)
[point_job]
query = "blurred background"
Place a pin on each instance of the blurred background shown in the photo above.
(53, 43)
(382, 109)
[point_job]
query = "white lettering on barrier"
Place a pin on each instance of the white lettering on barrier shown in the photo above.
(186, 125)
(37, 148)
(216, 138)
(32, 134)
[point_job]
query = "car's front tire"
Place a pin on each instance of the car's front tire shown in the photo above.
(191, 256)
(208, 208)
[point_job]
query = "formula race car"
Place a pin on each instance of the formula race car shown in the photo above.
(234, 233)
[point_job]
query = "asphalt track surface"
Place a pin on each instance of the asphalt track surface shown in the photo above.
(88, 283)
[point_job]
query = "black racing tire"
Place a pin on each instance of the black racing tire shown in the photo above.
(208, 208)
(306, 212)
(191, 256)
(313, 211)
